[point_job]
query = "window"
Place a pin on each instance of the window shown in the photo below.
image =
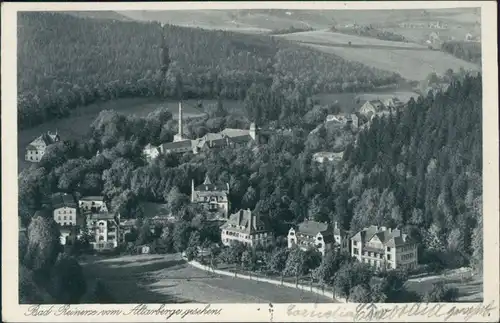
(388, 257)
(355, 250)
(355, 243)
(65, 216)
(388, 249)
(59, 218)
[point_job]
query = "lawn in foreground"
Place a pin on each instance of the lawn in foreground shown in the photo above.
(168, 278)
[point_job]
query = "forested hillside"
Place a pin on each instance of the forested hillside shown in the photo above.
(66, 61)
(469, 51)
(422, 170)
(419, 170)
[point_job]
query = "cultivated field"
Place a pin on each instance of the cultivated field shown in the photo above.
(168, 278)
(411, 61)
(77, 124)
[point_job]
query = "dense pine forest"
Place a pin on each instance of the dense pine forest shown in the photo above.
(469, 51)
(65, 62)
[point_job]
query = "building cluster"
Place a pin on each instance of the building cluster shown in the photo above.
(380, 247)
(367, 111)
(36, 149)
(229, 137)
(89, 215)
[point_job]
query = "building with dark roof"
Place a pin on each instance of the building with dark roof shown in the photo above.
(36, 149)
(94, 204)
(313, 234)
(384, 247)
(213, 197)
(246, 227)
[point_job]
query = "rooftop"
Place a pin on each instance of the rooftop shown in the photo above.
(176, 144)
(92, 198)
(62, 200)
(243, 221)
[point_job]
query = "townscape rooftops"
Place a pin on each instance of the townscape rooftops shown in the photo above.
(100, 216)
(243, 221)
(92, 198)
(208, 186)
(62, 200)
(388, 237)
(313, 228)
(233, 132)
(176, 145)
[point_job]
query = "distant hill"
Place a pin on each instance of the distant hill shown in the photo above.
(113, 15)
(265, 20)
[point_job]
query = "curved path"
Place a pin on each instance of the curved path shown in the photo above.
(170, 279)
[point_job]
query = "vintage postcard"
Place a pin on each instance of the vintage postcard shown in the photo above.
(250, 162)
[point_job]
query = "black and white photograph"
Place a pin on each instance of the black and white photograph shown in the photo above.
(250, 156)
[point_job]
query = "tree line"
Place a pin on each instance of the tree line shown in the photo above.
(65, 62)
(370, 31)
(468, 51)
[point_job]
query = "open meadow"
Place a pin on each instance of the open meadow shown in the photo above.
(411, 61)
(168, 278)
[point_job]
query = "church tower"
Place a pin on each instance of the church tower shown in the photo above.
(178, 136)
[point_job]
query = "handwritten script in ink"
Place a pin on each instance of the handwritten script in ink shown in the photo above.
(139, 310)
(385, 312)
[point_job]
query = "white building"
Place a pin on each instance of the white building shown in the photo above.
(245, 227)
(36, 149)
(94, 204)
(322, 236)
(212, 197)
(104, 228)
(383, 247)
(326, 156)
(65, 209)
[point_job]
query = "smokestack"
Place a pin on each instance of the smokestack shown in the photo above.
(180, 119)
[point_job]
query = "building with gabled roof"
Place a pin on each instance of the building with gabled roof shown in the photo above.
(384, 247)
(94, 204)
(104, 227)
(246, 227)
(36, 149)
(213, 197)
(323, 236)
(65, 209)
(372, 107)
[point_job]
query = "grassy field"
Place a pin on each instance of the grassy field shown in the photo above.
(420, 35)
(77, 124)
(168, 279)
(470, 287)
(412, 61)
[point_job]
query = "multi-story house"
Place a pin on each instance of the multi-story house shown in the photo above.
(246, 227)
(93, 204)
(212, 197)
(384, 248)
(324, 156)
(126, 226)
(65, 210)
(105, 230)
(36, 149)
(372, 107)
(323, 236)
